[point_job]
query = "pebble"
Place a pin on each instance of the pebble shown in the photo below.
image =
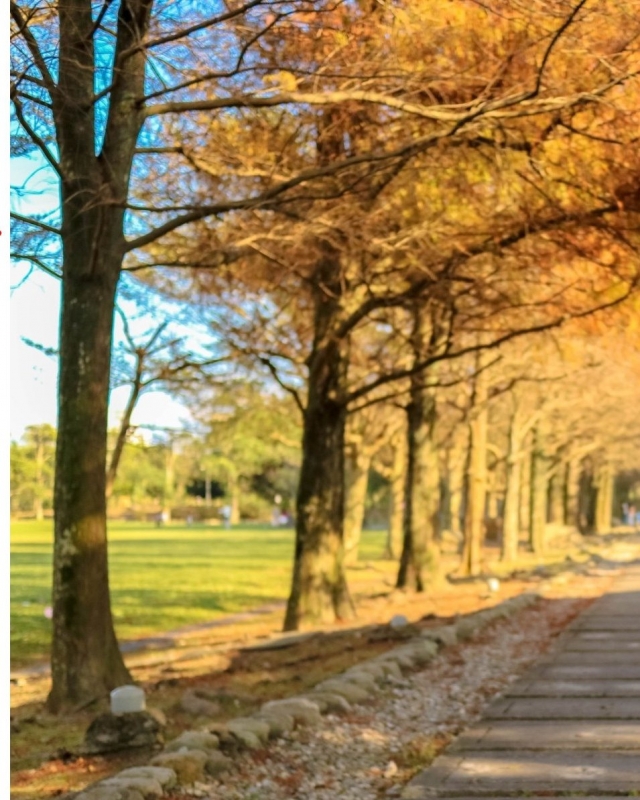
(360, 756)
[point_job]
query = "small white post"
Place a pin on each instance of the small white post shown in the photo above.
(126, 699)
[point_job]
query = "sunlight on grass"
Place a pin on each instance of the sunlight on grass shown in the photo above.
(161, 578)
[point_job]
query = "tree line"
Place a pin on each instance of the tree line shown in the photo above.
(364, 201)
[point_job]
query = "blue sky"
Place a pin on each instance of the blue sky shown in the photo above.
(34, 310)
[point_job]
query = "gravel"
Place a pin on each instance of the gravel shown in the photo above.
(374, 750)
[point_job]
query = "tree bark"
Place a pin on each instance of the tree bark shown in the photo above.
(538, 493)
(357, 468)
(169, 481)
(319, 591)
(476, 478)
(234, 516)
(570, 494)
(511, 514)
(586, 499)
(457, 463)
(556, 496)
(85, 660)
(604, 499)
(420, 553)
(397, 490)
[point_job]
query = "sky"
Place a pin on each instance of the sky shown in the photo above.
(34, 310)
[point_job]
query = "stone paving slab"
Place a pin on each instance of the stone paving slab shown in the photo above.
(548, 735)
(605, 622)
(619, 609)
(565, 708)
(568, 688)
(605, 635)
(535, 771)
(608, 656)
(587, 672)
(579, 645)
(570, 726)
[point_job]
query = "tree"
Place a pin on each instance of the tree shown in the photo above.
(32, 470)
(161, 362)
(372, 125)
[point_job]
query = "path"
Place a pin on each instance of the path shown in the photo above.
(570, 725)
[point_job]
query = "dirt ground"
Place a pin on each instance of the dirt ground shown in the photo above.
(244, 663)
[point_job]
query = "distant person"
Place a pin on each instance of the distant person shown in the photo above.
(225, 513)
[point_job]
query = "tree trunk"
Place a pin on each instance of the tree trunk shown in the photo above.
(396, 510)
(457, 461)
(538, 494)
(556, 496)
(38, 507)
(476, 479)
(604, 500)
(234, 515)
(570, 494)
(169, 482)
(319, 591)
(357, 467)
(85, 660)
(123, 431)
(422, 490)
(511, 514)
(524, 510)
(586, 500)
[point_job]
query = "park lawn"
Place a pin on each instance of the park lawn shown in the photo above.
(161, 578)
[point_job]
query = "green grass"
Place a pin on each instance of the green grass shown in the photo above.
(161, 578)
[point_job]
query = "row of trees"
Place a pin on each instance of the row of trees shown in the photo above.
(361, 199)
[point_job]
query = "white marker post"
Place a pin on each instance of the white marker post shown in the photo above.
(127, 699)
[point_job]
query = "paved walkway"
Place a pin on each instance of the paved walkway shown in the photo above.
(571, 725)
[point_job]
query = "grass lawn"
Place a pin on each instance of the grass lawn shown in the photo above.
(161, 578)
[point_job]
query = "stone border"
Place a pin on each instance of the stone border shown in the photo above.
(195, 754)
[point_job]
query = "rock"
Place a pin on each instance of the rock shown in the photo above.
(279, 723)
(217, 763)
(398, 621)
(329, 702)
(198, 706)
(465, 628)
(390, 668)
(188, 765)
(101, 792)
(165, 777)
(402, 658)
(444, 635)
(350, 691)
(257, 727)
(110, 732)
(149, 788)
(423, 651)
(227, 741)
(390, 770)
(193, 740)
(361, 678)
(303, 710)
(377, 671)
(247, 739)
